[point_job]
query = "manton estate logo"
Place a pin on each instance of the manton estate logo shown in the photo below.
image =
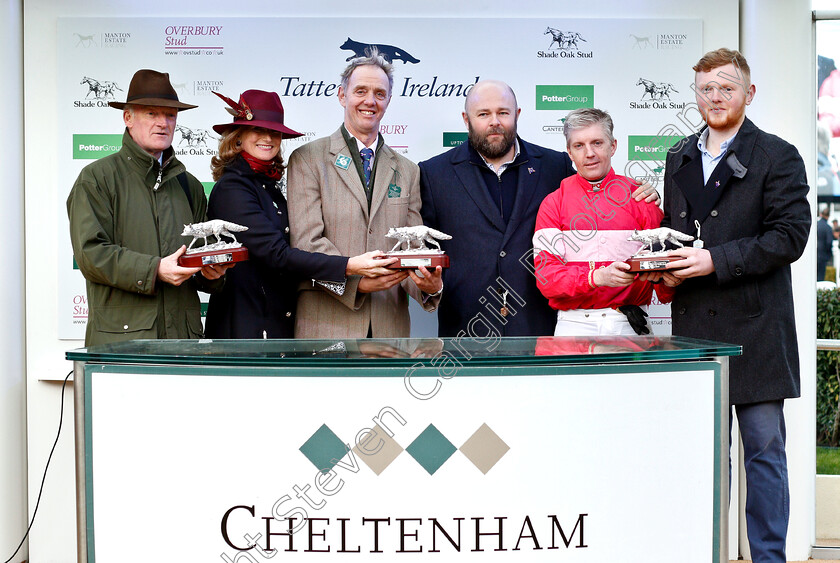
(659, 41)
(565, 97)
(389, 52)
(108, 39)
(564, 45)
(86, 40)
(640, 42)
(206, 87)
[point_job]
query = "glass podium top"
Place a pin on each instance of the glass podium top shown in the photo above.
(544, 350)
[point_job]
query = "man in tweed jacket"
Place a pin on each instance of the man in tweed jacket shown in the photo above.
(343, 201)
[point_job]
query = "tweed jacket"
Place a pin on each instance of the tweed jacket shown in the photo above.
(486, 254)
(754, 219)
(328, 213)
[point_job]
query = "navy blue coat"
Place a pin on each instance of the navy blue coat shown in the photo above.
(260, 295)
(485, 253)
(755, 220)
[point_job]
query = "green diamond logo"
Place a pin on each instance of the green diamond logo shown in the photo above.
(324, 449)
(431, 449)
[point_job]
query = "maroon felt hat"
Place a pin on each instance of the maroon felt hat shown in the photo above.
(256, 108)
(151, 88)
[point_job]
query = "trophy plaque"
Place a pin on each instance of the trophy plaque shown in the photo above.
(219, 252)
(648, 260)
(416, 253)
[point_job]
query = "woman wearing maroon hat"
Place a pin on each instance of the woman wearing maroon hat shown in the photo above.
(260, 294)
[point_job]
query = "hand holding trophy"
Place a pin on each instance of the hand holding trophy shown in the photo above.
(219, 252)
(421, 255)
(648, 260)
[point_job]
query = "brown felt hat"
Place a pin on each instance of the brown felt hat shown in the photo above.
(151, 88)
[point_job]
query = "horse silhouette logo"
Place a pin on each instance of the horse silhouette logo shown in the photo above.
(193, 137)
(86, 40)
(388, 52)
(565, 40)
(641, 42)
(656, 91)
(101, 89)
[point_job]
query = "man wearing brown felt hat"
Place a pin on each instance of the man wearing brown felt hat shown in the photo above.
(127, 211)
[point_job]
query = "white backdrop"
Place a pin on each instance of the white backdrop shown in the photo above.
(633, 68)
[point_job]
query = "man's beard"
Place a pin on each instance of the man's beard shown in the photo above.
(725, 120)
(489, 149)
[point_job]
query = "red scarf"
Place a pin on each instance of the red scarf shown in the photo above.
(264, 167)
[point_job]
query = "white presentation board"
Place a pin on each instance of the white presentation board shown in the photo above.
(525, 463)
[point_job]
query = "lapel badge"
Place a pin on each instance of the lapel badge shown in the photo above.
(343, 161)
(531, 170)
(717, 183)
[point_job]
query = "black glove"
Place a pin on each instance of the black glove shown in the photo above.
(636, 317)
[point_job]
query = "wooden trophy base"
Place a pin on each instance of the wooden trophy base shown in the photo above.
(650, 263)
(222, 256)
(415, 260)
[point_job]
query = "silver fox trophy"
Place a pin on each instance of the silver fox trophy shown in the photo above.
(411, 250)
(646, 259)
(219, 252)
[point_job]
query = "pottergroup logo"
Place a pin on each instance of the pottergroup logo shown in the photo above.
(92, 147)
(564, 97)
(650, 147)
(564, 45)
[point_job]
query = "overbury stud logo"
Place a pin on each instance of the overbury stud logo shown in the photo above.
(193, 137)
(389, 52)
(656, 91)
(641, 42)
(566, 40)
(101, 89)
(85, 40)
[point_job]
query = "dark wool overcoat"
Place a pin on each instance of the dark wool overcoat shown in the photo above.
(755, 220)
(260, 295)
(484, 249)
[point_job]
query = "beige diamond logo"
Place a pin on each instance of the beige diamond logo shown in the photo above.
(377, 449)
(484, 448)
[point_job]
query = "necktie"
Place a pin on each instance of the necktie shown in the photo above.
(367, 156)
